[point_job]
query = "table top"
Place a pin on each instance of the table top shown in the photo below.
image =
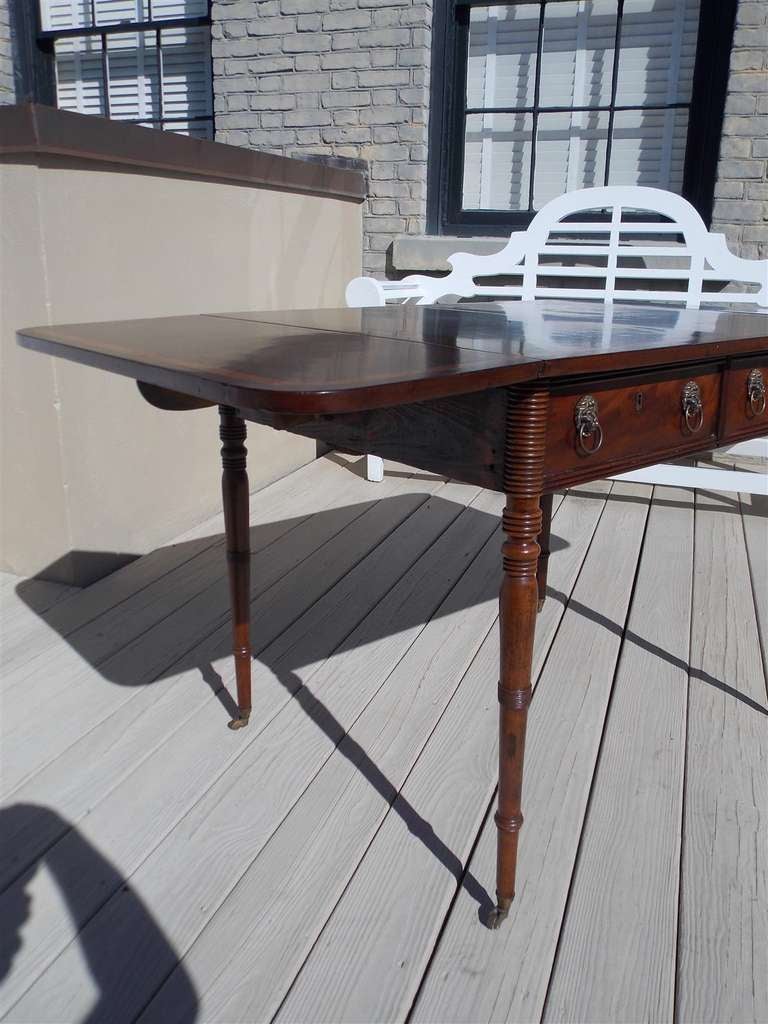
(337, 360)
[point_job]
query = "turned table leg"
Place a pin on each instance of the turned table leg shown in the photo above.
(234, 489)
(546, 527)
(521, 522)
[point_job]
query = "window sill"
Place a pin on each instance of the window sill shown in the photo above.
(418, 253)
(429, 253)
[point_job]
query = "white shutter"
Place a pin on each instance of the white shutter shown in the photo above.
(63, 14)
(658, 51)
(576, 71)
(134, 76)
(501, 71)
(186, 67)
(118, 12)
(656, 60)
(577, 53)
(178, 9)
(78, 67)
(133, 65)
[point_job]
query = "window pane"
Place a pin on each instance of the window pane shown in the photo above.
(64, 14)
(134, 76)
(196, 129)
(501, 65)
(497, 161)
(120, 12)
(186, 65)
(577, 53)
(648, 148)
(658, 50)
(570, 153)
(79, 75)
(179, 9)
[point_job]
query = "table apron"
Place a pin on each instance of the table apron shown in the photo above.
(641, 416)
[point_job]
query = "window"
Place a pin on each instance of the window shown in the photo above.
(143, 61)
(557, 95)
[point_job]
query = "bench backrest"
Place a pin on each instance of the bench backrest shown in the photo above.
(608, 237)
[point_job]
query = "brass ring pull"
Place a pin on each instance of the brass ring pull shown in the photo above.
(693, 410)
(756, 392)
(588, 426)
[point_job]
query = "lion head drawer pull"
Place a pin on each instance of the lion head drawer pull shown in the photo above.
(756, 392)
(589, 433)
(692, 407)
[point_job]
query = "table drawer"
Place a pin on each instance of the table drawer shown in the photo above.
(745, 390)
(605, 427)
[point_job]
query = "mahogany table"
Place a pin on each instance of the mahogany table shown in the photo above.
(520, 397)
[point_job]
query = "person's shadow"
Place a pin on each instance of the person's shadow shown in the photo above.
(19, 819)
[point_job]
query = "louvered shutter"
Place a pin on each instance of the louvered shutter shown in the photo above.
(171, 85)
(658, 51)
(656, 59)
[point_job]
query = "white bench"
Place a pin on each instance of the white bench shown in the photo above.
(614, 237)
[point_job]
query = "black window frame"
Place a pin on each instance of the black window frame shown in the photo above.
(445, 163)
(41, 73)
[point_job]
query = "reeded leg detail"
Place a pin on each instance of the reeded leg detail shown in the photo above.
(546, 527)
(518, 600)
(234, 489)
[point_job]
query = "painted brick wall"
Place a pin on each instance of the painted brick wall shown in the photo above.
(7, 87)
(741, 192)
(336, 77)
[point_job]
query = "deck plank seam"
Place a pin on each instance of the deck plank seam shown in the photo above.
(209, 699)
(182, 956)
(364, 850)
(487, 817)
(201, 639)
(229, 765)
(596, 765)
(684, 801)
(763, 641)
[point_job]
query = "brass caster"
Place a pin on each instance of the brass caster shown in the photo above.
(497, 915)
(241, 721)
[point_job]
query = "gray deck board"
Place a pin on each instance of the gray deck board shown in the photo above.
(470, 976)
(332, 542)
(190, 756)
(616, 957)
(409, 875)
(724, 878)
(155, 866)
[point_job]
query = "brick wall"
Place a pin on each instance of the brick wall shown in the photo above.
(7, 87)
(336, 77)
(741, 192)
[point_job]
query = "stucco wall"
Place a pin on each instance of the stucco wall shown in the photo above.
(741, 192)
(339, 77)
(90, 473)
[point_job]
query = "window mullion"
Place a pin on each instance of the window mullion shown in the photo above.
(536, 93)
(614, 89)
(105, 74)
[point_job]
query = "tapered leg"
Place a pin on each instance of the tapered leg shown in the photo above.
(234, 489)
(546, 526)
(523, 477)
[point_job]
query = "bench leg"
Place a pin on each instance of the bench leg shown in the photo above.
(374, 468)
(234, 490)
(523, 476)
(546, 526)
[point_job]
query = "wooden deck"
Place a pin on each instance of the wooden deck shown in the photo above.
(332, 861)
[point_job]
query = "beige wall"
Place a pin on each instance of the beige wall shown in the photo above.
(90, 473)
